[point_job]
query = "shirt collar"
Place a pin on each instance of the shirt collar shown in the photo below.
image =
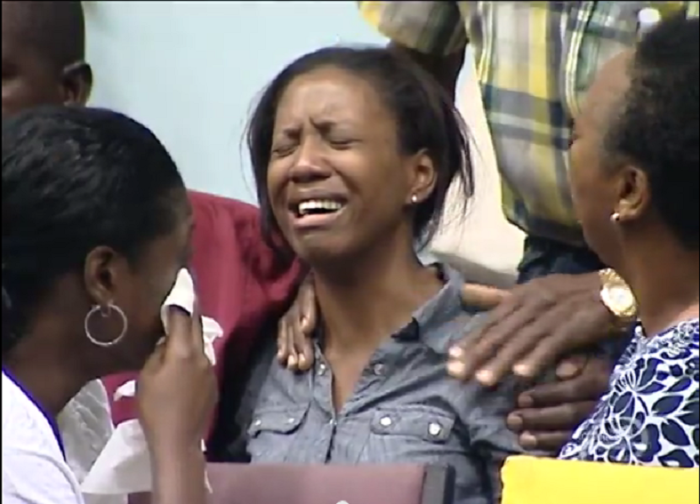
(436, 322)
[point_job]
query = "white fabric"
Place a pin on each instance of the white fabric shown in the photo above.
(86, 426)
(33, 468)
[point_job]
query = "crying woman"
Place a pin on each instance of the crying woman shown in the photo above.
(353, 152)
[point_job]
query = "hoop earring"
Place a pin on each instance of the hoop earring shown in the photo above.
(99, 309)
(615, 217)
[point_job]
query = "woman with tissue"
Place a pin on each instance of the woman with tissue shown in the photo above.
(95, 228)
(353, 151)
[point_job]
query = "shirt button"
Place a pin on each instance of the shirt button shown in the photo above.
(257, 423)
(378, 369)
(321, 369)
(291, 420)
(435, 429)
(386, 422)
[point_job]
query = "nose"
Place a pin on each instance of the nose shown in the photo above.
(310, 164)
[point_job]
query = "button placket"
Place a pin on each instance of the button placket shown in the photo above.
(321, 381)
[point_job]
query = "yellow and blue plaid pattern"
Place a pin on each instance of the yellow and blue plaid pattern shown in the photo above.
(534, 62)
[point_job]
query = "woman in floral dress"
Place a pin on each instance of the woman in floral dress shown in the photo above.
(634, 174)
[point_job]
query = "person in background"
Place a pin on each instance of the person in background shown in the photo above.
(331, 132)
(95, 227)
(43, 62)
(635, 173)
(43, 55)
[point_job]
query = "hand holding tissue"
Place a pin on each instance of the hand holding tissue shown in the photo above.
(124, 466)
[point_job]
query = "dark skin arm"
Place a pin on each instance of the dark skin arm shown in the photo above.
(532, 327)
(179, 475)
(176, 393)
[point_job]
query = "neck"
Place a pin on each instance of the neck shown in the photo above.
(52, 376)
(372, 296)
(664, 279)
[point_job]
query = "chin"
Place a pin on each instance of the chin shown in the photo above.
(323, 252)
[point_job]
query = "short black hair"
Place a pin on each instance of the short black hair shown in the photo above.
(56, 30)
(75, 178)
(426, 118)
(658, 126)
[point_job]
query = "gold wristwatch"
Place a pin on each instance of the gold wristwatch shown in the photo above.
(618, 298)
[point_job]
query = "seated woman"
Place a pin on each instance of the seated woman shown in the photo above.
(353, 152)
(634, 173)
(95, 227)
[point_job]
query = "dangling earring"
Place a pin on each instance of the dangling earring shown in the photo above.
(414, 199)
(615, 217)
(111, 307)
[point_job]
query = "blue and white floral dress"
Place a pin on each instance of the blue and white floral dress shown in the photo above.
(650, 414)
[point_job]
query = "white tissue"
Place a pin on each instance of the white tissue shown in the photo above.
(647, 19)
(124, 466)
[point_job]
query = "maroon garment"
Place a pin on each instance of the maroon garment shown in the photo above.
(241, 283)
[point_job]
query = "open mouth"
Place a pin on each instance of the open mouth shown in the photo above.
(318, 207)
(316, 213)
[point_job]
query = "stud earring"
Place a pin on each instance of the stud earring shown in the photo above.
(414, 199)
(615, 217)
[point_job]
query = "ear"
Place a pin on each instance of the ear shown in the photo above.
(103, 267)
(634, 194)
(76, 81)
(423, 178)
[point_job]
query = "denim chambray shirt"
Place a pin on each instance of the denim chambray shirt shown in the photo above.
(405, 408)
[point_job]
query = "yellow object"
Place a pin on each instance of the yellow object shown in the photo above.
(529, 480)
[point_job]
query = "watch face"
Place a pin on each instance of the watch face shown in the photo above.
(620, 298)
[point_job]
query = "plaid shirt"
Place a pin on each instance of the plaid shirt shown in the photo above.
(534, 61)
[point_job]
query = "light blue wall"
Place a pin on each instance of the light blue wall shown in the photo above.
(190, 70)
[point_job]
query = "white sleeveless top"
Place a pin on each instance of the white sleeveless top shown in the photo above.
(34, 468)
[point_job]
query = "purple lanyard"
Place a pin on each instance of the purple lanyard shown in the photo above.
(49, 418)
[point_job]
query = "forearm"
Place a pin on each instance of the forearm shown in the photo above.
(179, 476)
(445, 69)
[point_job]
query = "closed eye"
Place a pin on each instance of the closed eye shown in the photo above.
(282, 150)
(341, 144)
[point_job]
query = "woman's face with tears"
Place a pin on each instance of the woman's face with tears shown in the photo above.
(337, 179)
(353, 150)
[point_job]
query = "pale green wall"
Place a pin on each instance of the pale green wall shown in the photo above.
(190, 70)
